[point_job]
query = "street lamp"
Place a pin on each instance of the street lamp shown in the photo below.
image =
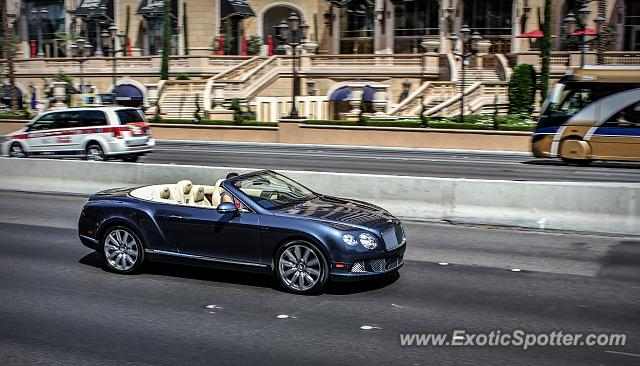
(80, 50)
(580, 23)
(40, 16)
(292, 33)
(110, 35)
(468, 42)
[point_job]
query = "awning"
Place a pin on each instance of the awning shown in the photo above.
(5, 95)
(238, 8)
(534, 34)
(587, 32)
(342, 94)
(89, 7)
(148, 7)
(128, 92)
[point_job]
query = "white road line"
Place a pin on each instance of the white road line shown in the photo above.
(623, 353)
(344, 156)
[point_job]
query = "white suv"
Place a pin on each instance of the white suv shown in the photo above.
(95, 133)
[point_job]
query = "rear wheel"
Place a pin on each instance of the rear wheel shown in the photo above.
(301, 268)
(16, 151)
(94, 152)
(122, 250)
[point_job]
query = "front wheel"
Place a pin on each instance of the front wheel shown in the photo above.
(16, 151)
(301, 268)
(122, 250)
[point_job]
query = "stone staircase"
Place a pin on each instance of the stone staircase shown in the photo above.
(476, 75)
(178, 99)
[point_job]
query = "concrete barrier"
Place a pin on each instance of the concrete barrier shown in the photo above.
(593, 207)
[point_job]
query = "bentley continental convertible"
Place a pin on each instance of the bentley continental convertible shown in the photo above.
(260, 221)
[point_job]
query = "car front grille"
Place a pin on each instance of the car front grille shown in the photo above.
(393, 236)
(377, 265)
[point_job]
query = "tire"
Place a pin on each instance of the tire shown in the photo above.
(16, 151)
(122, 250)
(578, 162)
(94, 152)
(301, 268)
(131, 159)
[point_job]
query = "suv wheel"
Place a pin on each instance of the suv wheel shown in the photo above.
(16, 151)
(94, 152)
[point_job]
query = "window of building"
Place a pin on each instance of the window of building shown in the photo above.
(356, 26)
(490, 18)
(51, 25)
(413, 21)
(632, 26)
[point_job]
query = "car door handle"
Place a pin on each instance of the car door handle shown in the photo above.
(175, 217)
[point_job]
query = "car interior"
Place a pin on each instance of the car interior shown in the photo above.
(185, 192)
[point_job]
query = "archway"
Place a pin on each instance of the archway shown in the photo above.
(273, 15)
(339, 99)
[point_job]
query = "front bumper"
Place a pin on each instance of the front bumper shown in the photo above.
(363, 268)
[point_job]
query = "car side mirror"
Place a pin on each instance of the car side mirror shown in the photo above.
(227, 208)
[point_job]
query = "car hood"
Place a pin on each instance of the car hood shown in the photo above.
(341, 211)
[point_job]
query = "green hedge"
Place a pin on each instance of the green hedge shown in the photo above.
(518, 122)
(212, 122)
(21, 116)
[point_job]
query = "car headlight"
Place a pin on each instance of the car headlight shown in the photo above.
(368, 241)
(350, 239)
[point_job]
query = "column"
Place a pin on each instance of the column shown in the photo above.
(378, 24)
(390, 26)
(181, 28)
(335, 32)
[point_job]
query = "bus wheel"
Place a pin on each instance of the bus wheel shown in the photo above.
(575, 151)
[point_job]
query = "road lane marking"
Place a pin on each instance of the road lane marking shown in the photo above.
(342, 156)
(624, 353)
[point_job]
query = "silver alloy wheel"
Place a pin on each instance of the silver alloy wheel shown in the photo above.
(121, 250)
(94, 152)
(16, 151)
(299, 267)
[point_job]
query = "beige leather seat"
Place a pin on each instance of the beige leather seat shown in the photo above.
(183, 191)
(164, 193)
(217, 193)
(198, 197)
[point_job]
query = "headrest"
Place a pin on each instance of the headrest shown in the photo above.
(165, 192)
(218, 183)
(184, 186)
(198, 194)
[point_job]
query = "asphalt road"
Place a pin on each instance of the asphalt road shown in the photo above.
(59, 307)
(387, 161)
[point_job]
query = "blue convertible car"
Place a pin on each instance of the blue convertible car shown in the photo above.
(258, 221)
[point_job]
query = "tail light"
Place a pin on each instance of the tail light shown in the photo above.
(118, 132)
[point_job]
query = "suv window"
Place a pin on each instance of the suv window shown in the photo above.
(45, 122)
(93, 118)
(127, 116)
(68, 119)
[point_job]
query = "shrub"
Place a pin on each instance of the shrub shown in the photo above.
(183, 77)
(522, 89)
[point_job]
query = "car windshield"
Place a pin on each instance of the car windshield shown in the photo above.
(271, 190)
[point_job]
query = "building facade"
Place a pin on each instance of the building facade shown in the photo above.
(46, 28)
